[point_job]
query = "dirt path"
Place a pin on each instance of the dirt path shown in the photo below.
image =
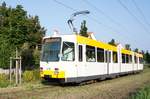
(118, 88)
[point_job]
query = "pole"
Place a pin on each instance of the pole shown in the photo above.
(10, 69)
(16, 65)
(20, 70)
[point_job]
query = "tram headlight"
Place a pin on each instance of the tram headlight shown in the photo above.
(56, 71)
(41, 70)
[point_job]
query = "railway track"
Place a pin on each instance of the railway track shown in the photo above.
(116, 88)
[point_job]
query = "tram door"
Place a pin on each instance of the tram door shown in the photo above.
(135, 63)
(108, 60)
(81, 62)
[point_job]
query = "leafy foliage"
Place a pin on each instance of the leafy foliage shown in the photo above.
(83, 30)
(17, 28)
(112, 42)
(3, 80)
(28, 76)
(127, 46)
(32, 75)
(136, 50)
(147, 57)
(5, 52)
(36, 57)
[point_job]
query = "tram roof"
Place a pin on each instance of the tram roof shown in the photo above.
(95, 43)
(106, 46)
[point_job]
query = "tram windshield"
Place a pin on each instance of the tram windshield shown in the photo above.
(51, 49)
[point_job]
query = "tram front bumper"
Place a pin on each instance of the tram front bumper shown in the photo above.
(52, 74)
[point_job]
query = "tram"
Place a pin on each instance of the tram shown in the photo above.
(74, 59)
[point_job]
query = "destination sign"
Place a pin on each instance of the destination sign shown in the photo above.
(48, 40)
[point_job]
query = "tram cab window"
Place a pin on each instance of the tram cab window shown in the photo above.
(100, 55)
(115, 57)
(90, 54)
(68, 53)
(80, 53)
(51, 49)
(123, 58)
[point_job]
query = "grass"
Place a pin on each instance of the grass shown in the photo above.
(109, 89)
(143, 93)
(27, 77)
(3, 80)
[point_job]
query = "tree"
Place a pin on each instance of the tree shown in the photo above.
(143, 52)
(3, 4)
(83, 30)
(112, 42)
(5, 52)
(127, 46)
(17, 28)
(136, 50)
(147, 57)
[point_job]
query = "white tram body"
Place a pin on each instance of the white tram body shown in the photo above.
(74, 59)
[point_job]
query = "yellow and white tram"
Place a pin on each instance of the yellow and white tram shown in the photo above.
(74, 59)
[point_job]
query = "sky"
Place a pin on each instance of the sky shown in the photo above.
(126, 21)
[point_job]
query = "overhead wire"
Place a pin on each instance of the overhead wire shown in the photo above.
(107, 16)
(66, 6)
(106, 26)
(104, 14)
(141, 12)
(134, 16)
(91, 18)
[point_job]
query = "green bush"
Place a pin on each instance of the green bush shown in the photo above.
(36, 56)
(27, 59)
(28, 76)
(30, 59)
(4, 82)
(36, 73)
(31, 75)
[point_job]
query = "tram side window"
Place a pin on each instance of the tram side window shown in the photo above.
(107, 56)
(127, 58)
(80, 53)
(100, 55)
(135, 59)
(123, 58)
(115, 57)
(130, 59)
(141, 60)
(90, 54)
(106, 60)
(68, 52)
